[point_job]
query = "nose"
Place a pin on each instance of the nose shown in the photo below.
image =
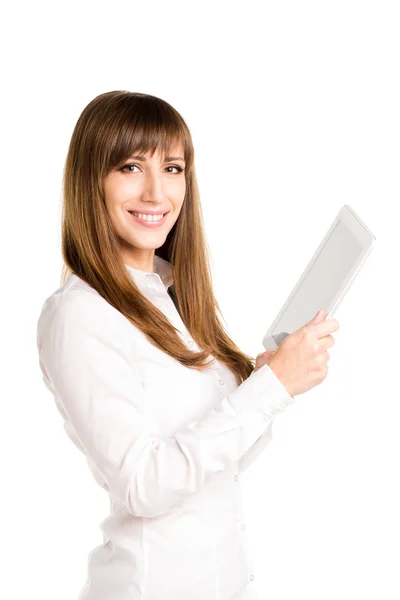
(153, 189)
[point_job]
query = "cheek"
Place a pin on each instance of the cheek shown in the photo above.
(180, 196)
(114, 205)
(110, 208)
(116, 217)
(177, 210)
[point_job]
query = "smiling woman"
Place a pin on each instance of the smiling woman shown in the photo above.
(165, 407)
(133, 152)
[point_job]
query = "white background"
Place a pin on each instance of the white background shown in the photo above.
(294, 111)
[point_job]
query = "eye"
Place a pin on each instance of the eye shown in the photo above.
(128, 166)
(176, 167)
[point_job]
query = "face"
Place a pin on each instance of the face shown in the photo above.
(149, 186)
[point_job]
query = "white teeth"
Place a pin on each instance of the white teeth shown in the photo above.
(148, 217)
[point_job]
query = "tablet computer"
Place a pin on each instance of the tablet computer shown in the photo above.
(327, 277)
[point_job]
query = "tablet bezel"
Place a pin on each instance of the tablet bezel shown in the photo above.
(363, 235)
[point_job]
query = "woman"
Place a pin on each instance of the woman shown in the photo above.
(166, 408)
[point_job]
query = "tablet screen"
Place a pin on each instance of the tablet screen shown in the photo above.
(324, 278)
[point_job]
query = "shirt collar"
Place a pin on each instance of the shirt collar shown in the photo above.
(162, 271)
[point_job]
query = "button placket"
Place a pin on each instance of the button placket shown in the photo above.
(248, 555)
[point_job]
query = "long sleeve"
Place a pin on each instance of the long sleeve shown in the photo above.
(87, 359)
(256, 449)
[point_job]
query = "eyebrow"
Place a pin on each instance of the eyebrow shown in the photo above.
(168, 158)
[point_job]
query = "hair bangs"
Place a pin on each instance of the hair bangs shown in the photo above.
(143, 126)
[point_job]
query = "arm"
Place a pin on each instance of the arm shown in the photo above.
(259, 445)
(255, 450)
(92, 373)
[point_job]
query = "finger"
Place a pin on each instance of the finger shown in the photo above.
(324, 328)
(327, 342)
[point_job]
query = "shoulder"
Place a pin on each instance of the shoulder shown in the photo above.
(77, 306)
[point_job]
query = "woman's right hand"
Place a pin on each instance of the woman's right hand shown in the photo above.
(300, 362)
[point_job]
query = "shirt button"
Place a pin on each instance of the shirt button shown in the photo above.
(251, 577)
(221, 381)
(190, 342)
(243, 527)
(266, 417)
(236, 477)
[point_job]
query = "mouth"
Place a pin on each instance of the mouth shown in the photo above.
(153, 220)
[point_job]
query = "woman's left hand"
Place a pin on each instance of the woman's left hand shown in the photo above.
(263, 359)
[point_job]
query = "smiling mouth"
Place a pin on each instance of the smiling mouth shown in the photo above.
(151, 222)
(155, 214)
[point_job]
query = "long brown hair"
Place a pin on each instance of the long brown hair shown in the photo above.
(112, 127)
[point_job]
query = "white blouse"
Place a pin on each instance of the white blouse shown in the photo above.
(165, 441)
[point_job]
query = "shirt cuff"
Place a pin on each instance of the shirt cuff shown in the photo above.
(263, 391)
